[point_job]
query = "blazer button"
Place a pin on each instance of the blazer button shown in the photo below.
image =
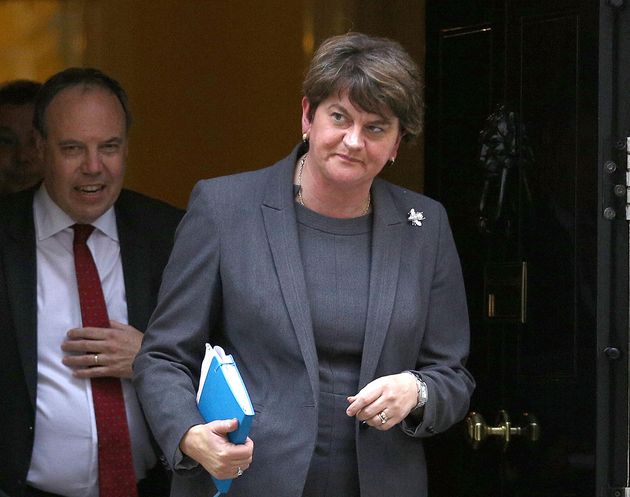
(363, 425)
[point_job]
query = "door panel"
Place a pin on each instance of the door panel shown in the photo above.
(539, 198)
(613, 420)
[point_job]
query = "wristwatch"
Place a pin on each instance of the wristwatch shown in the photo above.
(423, 391)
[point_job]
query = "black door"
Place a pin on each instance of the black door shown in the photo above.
(516, 113)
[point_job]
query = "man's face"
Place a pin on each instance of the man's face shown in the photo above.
(19, 165)
(85, 151)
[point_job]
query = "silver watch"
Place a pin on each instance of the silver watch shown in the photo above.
(423, 391)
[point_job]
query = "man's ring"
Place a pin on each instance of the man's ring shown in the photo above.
(239, 471)
(383, 417)
(96, 359)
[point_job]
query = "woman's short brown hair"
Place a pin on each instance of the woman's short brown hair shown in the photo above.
(376, 73)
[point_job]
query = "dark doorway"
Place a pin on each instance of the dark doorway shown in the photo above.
(513, 152)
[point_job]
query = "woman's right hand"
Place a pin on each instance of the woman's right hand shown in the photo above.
(209, 445)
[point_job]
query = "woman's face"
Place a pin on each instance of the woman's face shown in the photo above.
(348, 147)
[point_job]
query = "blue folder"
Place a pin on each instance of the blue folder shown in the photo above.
(222, 395)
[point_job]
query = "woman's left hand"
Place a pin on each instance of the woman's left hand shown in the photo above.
(385, 402)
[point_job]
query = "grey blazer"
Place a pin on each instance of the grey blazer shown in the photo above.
(235, 278)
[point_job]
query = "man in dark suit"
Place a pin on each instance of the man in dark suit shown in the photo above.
(50, 435)
(19, 166)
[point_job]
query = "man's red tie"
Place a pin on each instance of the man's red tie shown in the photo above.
(116, 477)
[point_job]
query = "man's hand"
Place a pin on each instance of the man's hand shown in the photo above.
(98, 352)
(209, 445)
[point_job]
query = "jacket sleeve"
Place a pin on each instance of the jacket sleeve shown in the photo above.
(166, 370)
(444, 348)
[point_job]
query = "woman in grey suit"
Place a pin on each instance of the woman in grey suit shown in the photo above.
(339, 294)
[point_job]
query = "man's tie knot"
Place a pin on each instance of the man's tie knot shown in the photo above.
(82, 232)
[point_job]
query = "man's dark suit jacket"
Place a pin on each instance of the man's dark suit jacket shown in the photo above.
(146, 230)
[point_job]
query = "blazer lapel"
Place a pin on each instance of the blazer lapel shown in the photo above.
(282, 234)
(386, 252)
(281, 228)
(21, 273)
(134, 251)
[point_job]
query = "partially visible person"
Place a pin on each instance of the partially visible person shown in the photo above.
(340, 296)
(81, 261)
(20, 167)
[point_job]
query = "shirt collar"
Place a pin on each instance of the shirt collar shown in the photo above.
(50, 219)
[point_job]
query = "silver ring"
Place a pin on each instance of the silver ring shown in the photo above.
(383, 417)
(96, 359)
(239, 472)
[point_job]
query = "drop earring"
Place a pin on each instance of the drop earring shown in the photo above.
(305, 137)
